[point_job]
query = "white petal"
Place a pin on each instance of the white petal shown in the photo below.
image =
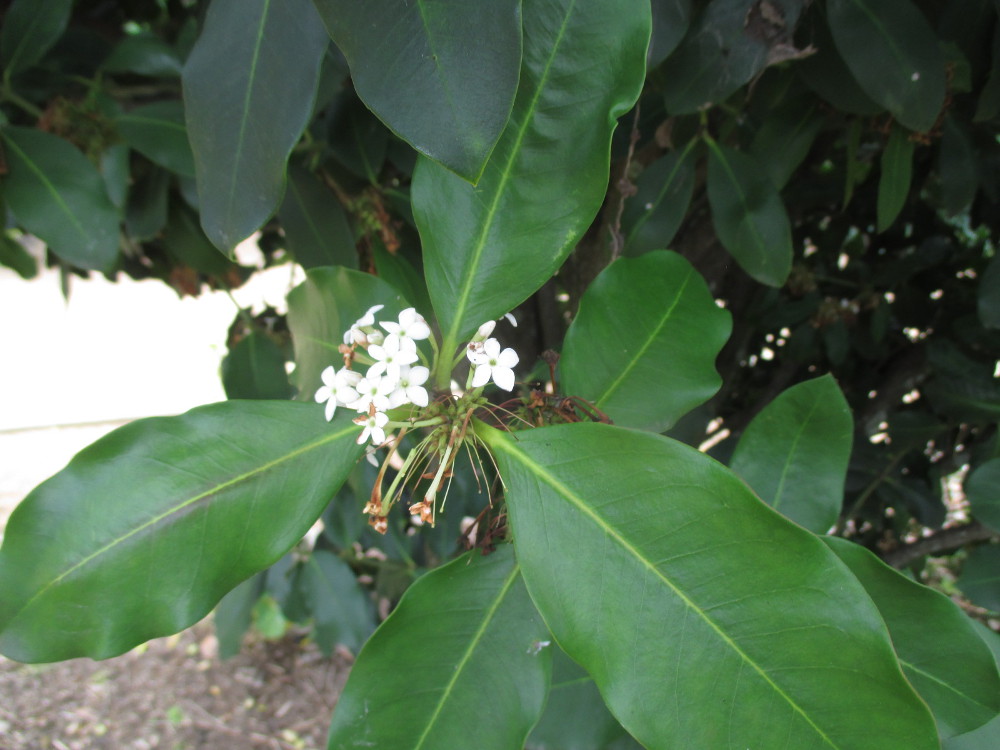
(348, 377)
(503, 377)
(417, 395)
(508, 358)
(379, 352)
(417, 375)
(481, 375)
(511, 319)
(323, 393)
(328, 376)
(486, 329)
(419, 330)
(491, 348)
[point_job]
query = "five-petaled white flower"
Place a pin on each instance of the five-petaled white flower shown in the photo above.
(389, 358)
(491, 362)
(411, 327)
(409, 389)
(357, 333)
(373, 391)
(374, 424)
(337, 389)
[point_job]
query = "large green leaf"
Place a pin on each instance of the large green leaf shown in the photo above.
(984, 738)
(980, 579)
(316, 229)
(487, 248)
(157, 131)
(663, 193)
(942, 655)
(643, 344)
(894, 183)
(342, 612)
(441, 74)
(794, 453)
(748, 215)
(982, 488)
(146, 529)
(255, 368)
(465, 644)
(56, 194)
(249, 85)
(14, 256)
(671, 19)
(706, 619)
(30, 28)
(321, 308)
(893, 53)
(786, 136)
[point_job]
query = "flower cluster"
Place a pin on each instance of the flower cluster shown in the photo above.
(392, 379)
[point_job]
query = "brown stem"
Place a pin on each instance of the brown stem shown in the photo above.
(940, 541)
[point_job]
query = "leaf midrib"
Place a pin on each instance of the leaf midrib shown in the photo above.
(467, 655)
(612, 533)
(178, 508)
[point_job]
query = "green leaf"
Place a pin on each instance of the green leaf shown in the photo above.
(893, 53)
(321, 308)
(185, 241)
(645, 364)
(733, 627)
(988, 302)
(671, 19)
(748, 215)
(30, 28)
(157, 132)
(982, 489)
(980, 579)
(663, 193)
(942, 655)
(984, 738)
(356, 137)
(14, 256)
(234, 614)
(576, 717)
(145, 530)
(255, 368)
(316, 229)
(894, 183)
(56, 194)
(343, 613)
(464, 636)
(146, 209)
(794, 453)
(249, 85)
(144, 54)
(719, 55)
(487, 248)
(116, 173)
(786, 136)
(957, 167)
(441, 75)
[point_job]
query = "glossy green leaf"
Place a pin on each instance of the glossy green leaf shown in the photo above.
(893, 53)
(321, 308)
(894, 182)
(575, 716)
(157, 132)
(982, 489)
(145, 530)
(441, 75)
(984, 738)
(794, 453)
(748, 215)
(721, 53)
(941, 654)
(30, 28)
(185, 241)
(56, 194)
(663, 193)
(980, 578)
(988, 301)
(144, 54)
(732, 627)
(115, 170)
(15, 257)
(356, 137)
(465, 636)
(316, 229)
(255, 368)
(643, 345)
(234, 613)
(249, 85)
(785, 137)
(487, 248)
(343, 614)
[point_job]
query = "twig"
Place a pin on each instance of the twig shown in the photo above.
(625, 190)
(940, 541)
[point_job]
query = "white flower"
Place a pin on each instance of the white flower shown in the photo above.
(409, 389)
(374, 427)
(337, 389)
(484, 331)
(511, 319)
(491, 362)
(357, 333)
(373, 391)
(411, 327)
(389, 358)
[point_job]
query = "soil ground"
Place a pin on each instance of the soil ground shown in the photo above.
(174, 693)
